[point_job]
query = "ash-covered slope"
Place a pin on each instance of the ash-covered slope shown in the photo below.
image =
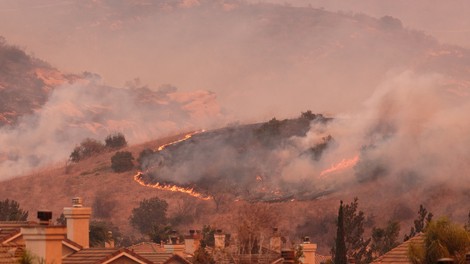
(246, 161)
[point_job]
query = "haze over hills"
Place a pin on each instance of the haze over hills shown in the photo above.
(398, 99)
(274, 60)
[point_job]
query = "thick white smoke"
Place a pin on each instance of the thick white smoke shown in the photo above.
(89, 109)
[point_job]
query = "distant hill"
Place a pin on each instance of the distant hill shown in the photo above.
(25, 83)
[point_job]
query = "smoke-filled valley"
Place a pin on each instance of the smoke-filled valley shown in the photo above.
(388, 121)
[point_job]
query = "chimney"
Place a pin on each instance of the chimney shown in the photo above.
(309, 250)
(173, 246)
(219, 239)
(44, 241)
(275, 241)
(78, 222)
(192, 242)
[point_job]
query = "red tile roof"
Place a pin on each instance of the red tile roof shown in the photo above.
(10, 254)
(399, 255)
(102, 255)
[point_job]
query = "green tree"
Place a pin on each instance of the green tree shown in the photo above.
(384, 239)
(150, 214)
(340, 243)
(122, 161)
(442, 239)
(115, 141)
(10, 211)
(424, 217)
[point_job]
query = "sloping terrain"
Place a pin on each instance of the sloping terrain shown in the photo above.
(25, 83)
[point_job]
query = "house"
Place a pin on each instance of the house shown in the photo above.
(70, 244)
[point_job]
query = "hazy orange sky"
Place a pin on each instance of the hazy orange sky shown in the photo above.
(71, 35)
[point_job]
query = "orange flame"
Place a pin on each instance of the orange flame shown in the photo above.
(342, 165)
(173, 188)
(186, 137)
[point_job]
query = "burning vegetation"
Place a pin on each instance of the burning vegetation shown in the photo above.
(246, 162)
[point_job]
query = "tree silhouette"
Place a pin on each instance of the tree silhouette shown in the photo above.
(150, 214)
(10, 211)
(340, 245)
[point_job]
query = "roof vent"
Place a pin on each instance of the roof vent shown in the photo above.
(44, 217)
(306, 240)
(77, 202)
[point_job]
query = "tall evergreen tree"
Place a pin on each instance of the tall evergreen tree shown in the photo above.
(340, 245)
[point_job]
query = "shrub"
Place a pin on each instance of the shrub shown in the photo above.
(122, 161)
(87, 148)
(115, 141)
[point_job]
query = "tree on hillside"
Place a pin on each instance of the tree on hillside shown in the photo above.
(424, 217)
(442, 239)
(10, 211)
(122, 161)
(87, 148)
(150, 214)
(308, 115)
(115, 141)
(339, 250)
(269, 133)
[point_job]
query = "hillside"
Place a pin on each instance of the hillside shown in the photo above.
(25, 83)
(93, 179)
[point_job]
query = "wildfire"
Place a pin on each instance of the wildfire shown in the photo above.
(342, 165)
(173, 188)
(186, 137)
